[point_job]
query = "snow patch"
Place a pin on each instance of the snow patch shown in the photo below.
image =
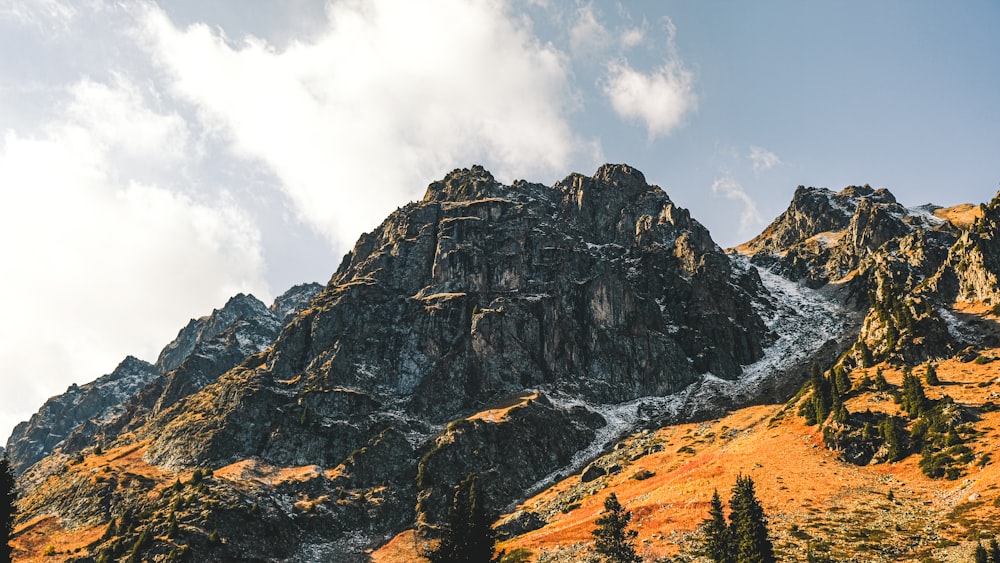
(802, 321)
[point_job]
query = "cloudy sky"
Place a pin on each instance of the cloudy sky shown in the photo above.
(157, 158)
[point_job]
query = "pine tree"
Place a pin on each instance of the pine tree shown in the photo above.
(891, 429)
(932, 379)
(482, 539)
(914, 401)
(468, 536)
(841, 380)
(994, 551)
(8, 494)
(718, 544)
(748, 525)
(612, 538)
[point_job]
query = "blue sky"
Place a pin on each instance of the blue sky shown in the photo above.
(157, 158)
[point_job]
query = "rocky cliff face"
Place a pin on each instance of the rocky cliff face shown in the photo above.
(904, 267)
(97, 412)
(480, 295)
(99, 400)
(511, 331)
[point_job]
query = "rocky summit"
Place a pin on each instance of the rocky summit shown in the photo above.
(513, 332)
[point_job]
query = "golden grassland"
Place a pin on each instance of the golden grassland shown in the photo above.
(814, 500)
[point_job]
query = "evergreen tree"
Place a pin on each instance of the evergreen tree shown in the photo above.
(932, 379)
(891, 429)
(718, 544)
(8, 494)
(994, 551)
(841, 380)
(468, 536)
(748, 525)
(612, 538)
(914, 401)
(482, 539)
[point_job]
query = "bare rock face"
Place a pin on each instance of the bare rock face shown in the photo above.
(597, 288)
(98, 400)
(97, 412)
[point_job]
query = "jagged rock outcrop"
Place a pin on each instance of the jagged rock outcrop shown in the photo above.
(970, 273)
(99, 400)
(597, 288)
(97, 412)
(825, 236)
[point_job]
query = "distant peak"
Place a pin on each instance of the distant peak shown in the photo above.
(462, 184)
(620, 175)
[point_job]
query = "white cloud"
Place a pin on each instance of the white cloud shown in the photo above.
(588, 35)
(47, 14)
(763, 159)
(393, 95)
(101, 262)
(728, 187)
(633, 36)
(659, 99)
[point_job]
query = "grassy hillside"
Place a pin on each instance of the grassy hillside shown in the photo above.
(815, 501)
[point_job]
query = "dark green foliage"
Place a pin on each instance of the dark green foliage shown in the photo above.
(880, 383)
(8, 495)
(745, 539)
(748, 524)
(468, 536)
(140, 544)
(717, 540)
(913, 400)
(930, 376)
(994, 551)
(891, 429)
(612, 538)
(841, 380)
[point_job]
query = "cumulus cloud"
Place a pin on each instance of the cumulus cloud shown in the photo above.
(392, 95)
(728, 187)
(763, 159)
(102, 262)
(659, 99)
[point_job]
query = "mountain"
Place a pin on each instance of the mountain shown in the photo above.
(516, 332)
(203, 350)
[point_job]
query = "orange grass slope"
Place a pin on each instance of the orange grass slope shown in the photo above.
(814, 501)
(49, 538)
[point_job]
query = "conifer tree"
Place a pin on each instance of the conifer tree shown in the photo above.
(748, 525)
(8, 494)
(994, 551)
(841, 380)
(718, 544)
(931, 377)
(612, 538)
(914, 401)
(891, 429)
(468, 536)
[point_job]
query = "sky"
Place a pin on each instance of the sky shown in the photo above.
(158, 158)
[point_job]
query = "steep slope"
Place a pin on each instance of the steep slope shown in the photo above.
(815, 500)
(96, 412)
(98, 400)
(555, 300)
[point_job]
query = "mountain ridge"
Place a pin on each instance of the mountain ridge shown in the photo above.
(486, 314)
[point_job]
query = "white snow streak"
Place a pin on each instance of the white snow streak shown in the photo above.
(801, 319)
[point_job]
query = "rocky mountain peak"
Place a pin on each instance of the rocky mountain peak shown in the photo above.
(463, 184)
(291, 302)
